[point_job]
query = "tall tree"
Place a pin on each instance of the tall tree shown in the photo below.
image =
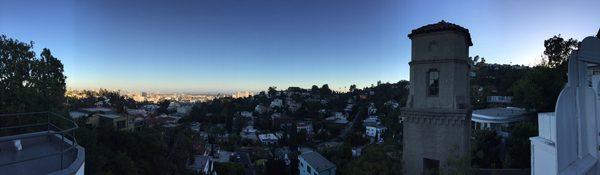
(28, 83)
(272, 90)
(352, 88)
(538, 89)
(519, 150)
(314, 89)
(325, 90)
(558, 50)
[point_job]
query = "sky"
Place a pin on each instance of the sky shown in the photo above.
(226, 45)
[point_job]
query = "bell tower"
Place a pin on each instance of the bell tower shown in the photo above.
(438, 112)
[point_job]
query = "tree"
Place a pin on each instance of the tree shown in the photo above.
(275, 167)
(352, 88)
(229, 168)
(377, 159)
(558, 50)
(486, 149)
(163, 106)
(28, 83)
(314, 89)
(325, 91)
(272, 90)
(519, 150)
(538, 89)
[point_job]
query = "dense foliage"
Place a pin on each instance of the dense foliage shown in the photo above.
(376, 159)
(519, 151)
(29, 83)
(147, 151)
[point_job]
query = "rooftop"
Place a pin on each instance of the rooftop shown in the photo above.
(45, 148)
(499, 115)
(111, 116)
(200, 162)
(442, 26)
(316, 161)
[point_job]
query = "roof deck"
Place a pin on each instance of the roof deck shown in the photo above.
(46, 148)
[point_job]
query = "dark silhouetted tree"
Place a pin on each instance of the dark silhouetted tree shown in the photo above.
(538, 89)
(519, 150)
(352, 88)
(314, 89)
(272, 90)
(28, 83)
(325, 90)
(558, 50)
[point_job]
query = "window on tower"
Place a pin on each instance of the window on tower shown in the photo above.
(433, 82)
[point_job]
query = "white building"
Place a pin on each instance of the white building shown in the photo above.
(260, 109)
(249, 133)
(499, 99)
(195, 126)
(498, 119)
(276, 103)
(375, 131)
(312, 163)
(371, 120)
(372, 109)
(268, 139)
(304, 126)
(294, 106)
(568, 138)
(247, 114)
(338, 118)
(201, 164)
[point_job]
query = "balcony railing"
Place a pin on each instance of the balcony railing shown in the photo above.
(23, 126)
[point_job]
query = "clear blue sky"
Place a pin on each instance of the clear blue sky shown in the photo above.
(222, 45)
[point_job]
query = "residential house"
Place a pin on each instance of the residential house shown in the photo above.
(313, 163)
(249, 133)
(499, 99)
(497, 119)
(337, 118)
(372, 109)
(305, 126)
(375, 132)
(268, 139)
(118, 121)
(201, 164)
(246, 114)
(260, 109)
(276, 103)
(371, 120)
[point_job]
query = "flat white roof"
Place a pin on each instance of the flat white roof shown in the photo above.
(498, 115)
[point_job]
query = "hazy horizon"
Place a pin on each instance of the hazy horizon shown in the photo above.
(228, 46)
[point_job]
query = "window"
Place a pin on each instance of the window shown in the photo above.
(433, 82)
(431, 166)
(120, 124)
(308, 169)
(432, 46)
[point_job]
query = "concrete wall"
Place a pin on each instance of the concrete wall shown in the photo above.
(448, 53)
(437, 127)
(438, 139)
(502, 171)
(543, 156)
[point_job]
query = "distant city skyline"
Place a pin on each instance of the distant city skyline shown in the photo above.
(228, 46)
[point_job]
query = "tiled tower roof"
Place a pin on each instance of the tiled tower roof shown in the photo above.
(442, 26)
